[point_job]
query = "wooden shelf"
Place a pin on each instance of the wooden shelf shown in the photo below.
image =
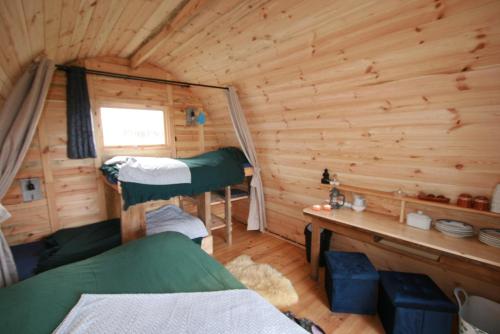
(450, 207)
(408, 199)
(387, 226)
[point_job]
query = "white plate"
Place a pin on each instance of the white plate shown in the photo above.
(453, 224)
(491, 232)
(454, 235)
(497, 241)
(454, 230)
(490, 244)
(489, 238)
(491, 241)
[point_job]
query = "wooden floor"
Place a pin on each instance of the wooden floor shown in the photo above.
(290, 260)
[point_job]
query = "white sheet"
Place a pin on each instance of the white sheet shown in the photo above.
(173, 218)
(232, 311)
(155, 171)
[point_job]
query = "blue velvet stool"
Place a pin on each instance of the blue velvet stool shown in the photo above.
(351, 283)
(413, 304)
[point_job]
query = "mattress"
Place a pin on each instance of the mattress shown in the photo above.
(171, 218)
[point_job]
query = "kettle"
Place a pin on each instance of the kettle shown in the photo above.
(337, 199)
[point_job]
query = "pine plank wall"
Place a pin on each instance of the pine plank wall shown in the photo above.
(387, 94)
(73, 192)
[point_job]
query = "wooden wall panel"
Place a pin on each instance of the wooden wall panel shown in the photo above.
(73, 192)
(70, 186)
(76, 29)
(175, 99)
(389, 95)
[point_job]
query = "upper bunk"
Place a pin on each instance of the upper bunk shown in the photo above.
(209, 171)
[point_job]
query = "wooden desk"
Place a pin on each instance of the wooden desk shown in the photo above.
(382, 227)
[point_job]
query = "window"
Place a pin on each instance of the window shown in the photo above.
(132, 127)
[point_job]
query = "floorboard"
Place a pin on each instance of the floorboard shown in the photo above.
(290, 260)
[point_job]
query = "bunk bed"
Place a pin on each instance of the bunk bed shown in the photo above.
(209, 171)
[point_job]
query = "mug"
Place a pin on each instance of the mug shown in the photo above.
(359, 200)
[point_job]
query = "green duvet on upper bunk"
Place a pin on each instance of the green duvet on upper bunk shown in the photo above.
(209, 171)
(164, 263)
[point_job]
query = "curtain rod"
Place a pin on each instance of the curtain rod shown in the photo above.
(133, 77)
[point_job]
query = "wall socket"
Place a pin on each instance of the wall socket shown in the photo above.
(31, 189)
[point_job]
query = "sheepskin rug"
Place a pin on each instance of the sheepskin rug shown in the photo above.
(265, 280)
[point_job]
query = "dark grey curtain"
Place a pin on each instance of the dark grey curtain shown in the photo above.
(80, 134)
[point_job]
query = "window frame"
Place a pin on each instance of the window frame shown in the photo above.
(123, 149)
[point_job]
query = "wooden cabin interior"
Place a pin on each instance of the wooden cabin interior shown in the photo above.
(398, 100)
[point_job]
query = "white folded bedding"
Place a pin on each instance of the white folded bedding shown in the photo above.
(151, 170)
(232, 311)
(174, 219)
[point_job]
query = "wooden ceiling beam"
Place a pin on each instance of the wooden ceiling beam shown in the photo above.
(154, 43)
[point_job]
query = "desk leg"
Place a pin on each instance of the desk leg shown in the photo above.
(315, 244)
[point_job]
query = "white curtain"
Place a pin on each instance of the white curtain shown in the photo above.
(8, 271)
(257, 212)
(18, 120)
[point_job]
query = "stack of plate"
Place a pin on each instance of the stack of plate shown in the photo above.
(454, 228)
(490, 236)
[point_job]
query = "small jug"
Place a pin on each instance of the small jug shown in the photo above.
(359, 201)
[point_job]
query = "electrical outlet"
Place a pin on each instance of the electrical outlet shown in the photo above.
(31, 189)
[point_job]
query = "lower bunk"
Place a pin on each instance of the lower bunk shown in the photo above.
(79, 243)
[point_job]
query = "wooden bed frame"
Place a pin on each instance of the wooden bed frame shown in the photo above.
(133, 220)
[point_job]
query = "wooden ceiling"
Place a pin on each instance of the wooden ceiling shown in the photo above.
(210, 41)
(66, 30)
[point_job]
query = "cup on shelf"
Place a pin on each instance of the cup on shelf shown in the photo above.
(464, 201)
(481, 203)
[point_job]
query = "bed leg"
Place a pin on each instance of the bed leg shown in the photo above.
(133, 223)
(228, 215)
(204, 210)
(207, 244)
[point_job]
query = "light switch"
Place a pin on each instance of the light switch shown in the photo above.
(31, 189)
(190, 116)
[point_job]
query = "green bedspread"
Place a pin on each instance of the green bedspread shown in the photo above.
(164, 263)
(209, 171)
